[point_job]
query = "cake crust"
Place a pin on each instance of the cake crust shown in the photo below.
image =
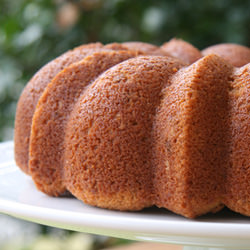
(235, 54)
(108, 137)
(237, 182)
(51, 116)
(120, 127)
(182, 50)
(31, 94)
(147, 48)
(193, 117)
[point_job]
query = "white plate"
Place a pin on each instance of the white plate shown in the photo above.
(19, 198)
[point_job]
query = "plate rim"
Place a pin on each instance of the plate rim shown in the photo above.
(146, 226)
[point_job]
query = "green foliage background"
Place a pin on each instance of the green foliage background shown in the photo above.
(34, 32)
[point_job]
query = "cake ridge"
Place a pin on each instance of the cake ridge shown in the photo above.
(237, 183)
(31, 94)
(49, 131)
(123, 166)
(237, 55)
(183, 148)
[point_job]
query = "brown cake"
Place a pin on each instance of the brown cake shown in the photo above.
(237, 184)
(34, 89)
(191, 138)
(147, 48)
(236, 54)
(109, 154)
(182, 50)
(51, 115)
(31, 94)
(123, 128)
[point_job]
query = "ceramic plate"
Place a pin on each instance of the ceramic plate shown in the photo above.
(19, 198)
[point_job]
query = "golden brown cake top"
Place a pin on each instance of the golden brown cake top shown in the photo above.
(182, 50)
(147, 48)
(236, 54)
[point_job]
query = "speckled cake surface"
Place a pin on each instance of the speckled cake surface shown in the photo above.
(132, 125)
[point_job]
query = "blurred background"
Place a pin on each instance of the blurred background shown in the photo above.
(34, 32)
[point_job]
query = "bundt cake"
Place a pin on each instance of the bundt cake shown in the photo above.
(128, 126)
